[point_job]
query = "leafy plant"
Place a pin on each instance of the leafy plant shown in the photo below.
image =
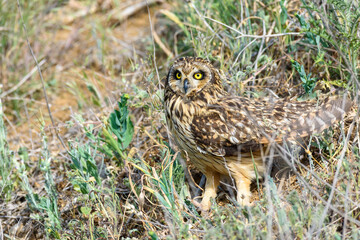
(120, 125)
(333, 27)
(168, 186)
(98, 199)
(83, 158)
(309, 83)
(45, 208)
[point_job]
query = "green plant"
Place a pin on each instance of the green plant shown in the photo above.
(113, 142)
(6, 161)
(45, 208)
(309, 83)
(86, 172)
(168, 186)
(333, 26)
(122, 127)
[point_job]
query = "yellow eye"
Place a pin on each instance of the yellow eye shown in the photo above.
(198, 76)
(178, 75)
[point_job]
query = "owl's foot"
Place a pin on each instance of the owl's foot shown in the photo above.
(204, 210)
(243, 190)
(205, 205)
(244, 198)
(212, 183)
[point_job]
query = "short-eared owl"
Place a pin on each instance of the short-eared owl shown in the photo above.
(224, 134)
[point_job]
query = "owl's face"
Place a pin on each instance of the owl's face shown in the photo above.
(188, 76)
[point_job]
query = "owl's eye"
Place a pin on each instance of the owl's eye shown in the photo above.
(177, 75)
(198, 76)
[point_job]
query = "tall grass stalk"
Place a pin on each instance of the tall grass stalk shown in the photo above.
(5, 161)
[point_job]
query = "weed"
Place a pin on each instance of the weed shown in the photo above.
(168, 186)
(44, 208)
(334, 26)
(86, 172)
(309, 83)
(6, 161)
(122, 127)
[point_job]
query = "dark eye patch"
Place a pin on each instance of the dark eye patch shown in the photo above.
(177, 75)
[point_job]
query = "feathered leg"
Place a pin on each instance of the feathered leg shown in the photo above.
(212, 183)
(243, 189)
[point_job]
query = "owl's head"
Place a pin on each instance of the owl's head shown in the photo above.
(189, 76)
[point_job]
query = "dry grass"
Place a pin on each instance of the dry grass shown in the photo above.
(92, 53)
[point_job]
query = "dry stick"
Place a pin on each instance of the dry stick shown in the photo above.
(154, 53)
(207, 25)
(41, 77)
(130, 10)
(242, 50)
(269, 218)
(253, 36)
(153, 42)
(162, 45)
(345, 209)
(327, 184)
(260, 50)
(338, 167)
(307, 185)
(27, 76)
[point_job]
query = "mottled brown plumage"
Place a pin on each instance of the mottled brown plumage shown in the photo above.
(225, 135)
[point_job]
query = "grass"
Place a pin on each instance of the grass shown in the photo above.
(6, 161)
(120, 175)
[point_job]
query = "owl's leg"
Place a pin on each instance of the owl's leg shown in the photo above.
(212, 183)
(243, 189)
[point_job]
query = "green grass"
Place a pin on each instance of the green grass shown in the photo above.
(120, 176)
(6, 163)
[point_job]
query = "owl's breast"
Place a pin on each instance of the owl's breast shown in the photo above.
(179, 115)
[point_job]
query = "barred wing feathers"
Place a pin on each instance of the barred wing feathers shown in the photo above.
(237, 124)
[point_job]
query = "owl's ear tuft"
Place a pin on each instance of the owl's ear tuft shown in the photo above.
(181, 59)
(164, 80)
(167, 77)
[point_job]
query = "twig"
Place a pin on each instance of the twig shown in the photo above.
(131, 10)
(307, 185)
(162, 46)
(4, 29)
(345, 210)
(242, 50)
(253, 36)
(207, 25)
(333, 187)
(41, 77)
(1, 231)
(317, 195)
(261, 48)
(153, 42)
(27, 76)
(285, 155)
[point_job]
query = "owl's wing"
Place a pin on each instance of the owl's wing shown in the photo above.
(238, 124)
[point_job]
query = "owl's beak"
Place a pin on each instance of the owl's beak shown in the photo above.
(186, 85)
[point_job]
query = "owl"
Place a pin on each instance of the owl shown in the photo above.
(229, 135)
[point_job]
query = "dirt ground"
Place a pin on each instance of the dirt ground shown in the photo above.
(86, 72)
(72, 43)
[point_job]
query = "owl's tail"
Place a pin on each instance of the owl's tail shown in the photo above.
(331, 111)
